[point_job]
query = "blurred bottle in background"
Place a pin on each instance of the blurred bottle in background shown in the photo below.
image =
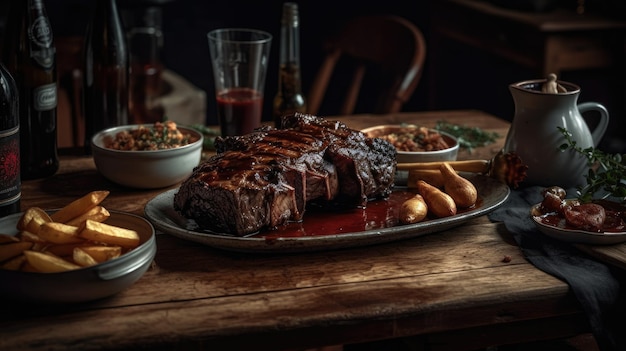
(289, 98)
(10, 181)
(30, 56)
(145, 43)
(106, 71)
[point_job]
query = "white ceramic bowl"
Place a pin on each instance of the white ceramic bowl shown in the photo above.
(449, 154)
(146, 169)
(84, 284)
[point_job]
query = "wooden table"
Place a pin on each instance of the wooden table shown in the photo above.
(449, 290)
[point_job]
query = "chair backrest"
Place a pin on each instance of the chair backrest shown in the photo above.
(385, 54)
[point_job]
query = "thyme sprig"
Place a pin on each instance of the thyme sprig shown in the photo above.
(607, 172)
(209, 136)
(468, 137)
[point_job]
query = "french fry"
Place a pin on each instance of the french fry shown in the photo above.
(73, 237)
(8, 251)
(32, 219)
(80, 206)
(39, 246)
(26, 217)
(14, 264)
(27, 267)
(108, 234)
(7, 239)
(430, 176)
(47, 263)
(103, 253)
(97, 213)
(60, 233)
(62, 250)
(82, 258)
(25, 235)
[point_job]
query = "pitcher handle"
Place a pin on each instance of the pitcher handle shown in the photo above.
(603, 123)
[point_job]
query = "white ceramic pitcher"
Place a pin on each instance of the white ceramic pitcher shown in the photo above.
(534, 135)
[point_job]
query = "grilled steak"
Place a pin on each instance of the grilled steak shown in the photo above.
(266, 178)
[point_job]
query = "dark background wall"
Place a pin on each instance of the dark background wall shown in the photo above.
(467, 78)
(191, 20)
(186, 23)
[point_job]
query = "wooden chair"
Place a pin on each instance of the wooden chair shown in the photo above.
(386, 55)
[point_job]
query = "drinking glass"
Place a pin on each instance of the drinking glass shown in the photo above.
(239, 58)
(145, 46)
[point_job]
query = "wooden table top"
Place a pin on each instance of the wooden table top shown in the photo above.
(447, 289)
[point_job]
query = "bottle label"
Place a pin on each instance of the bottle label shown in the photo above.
(10, 183)
(40, 32)
(45, 97)
(40, 35)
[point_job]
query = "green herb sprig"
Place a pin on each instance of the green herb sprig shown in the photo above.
(607, 172)
(209, 136)
(468, 137)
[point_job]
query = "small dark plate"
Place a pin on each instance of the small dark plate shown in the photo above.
(575, 235)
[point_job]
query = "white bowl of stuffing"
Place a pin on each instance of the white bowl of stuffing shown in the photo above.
(147, 156)
(417, 143)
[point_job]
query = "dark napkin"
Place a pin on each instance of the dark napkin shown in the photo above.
(598, 287)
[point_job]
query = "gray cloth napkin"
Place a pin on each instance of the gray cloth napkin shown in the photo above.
(599, 288)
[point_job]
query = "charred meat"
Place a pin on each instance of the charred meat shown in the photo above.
(266, 178)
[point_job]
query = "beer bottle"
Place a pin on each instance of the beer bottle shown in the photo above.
(10, 186)
(30, 56)
(289, 98)
(106, 71)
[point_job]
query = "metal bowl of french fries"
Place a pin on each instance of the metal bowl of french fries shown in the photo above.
(140, 156)
(81, 252)
(416, 143)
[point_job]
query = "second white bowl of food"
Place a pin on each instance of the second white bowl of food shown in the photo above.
(147, 156)
(416, 143)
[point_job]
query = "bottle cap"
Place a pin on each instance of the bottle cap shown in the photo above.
(290, 14)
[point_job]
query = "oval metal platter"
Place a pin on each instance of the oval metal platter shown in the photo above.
(160, 212)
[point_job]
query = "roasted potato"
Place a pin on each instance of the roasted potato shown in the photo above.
(413, 210)
(439, 203)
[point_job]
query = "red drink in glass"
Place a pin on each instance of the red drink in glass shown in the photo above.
(239, 111)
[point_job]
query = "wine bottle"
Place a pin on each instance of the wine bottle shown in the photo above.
(289, 98)
(30, 57)
(106, 71)
(10, 183)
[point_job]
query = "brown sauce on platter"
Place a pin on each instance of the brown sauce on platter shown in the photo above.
(378, 214)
